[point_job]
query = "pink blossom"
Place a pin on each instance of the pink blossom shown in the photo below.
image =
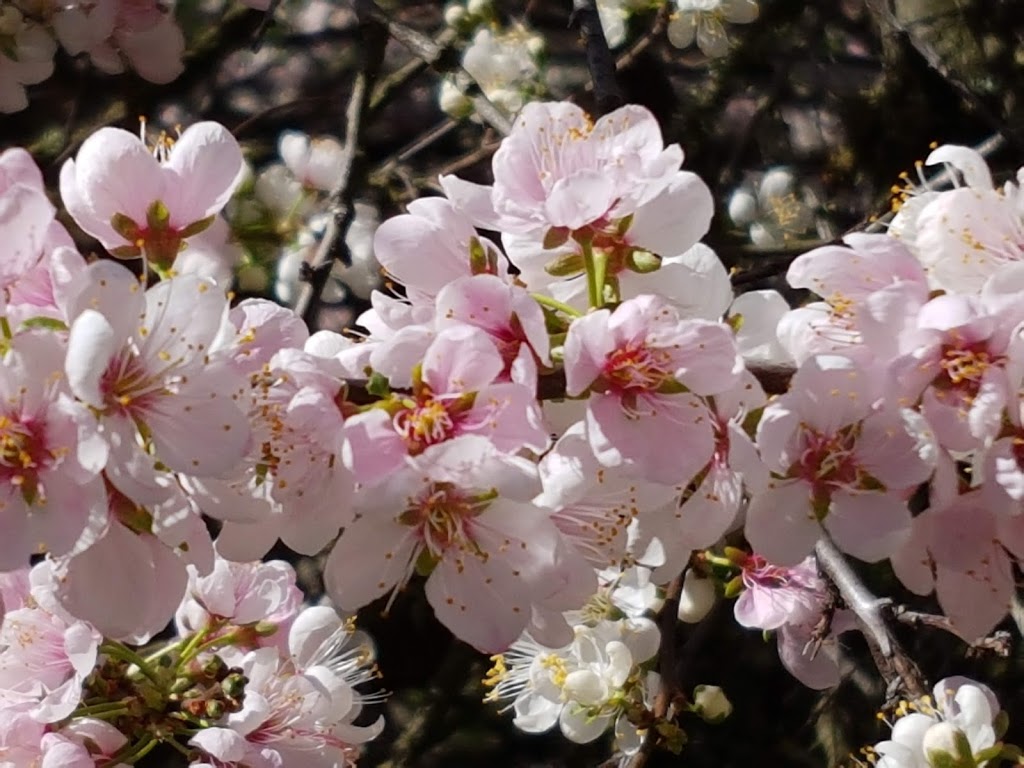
(869, 291)
(135, 202)
(458, 392)
(240, 594)
(838, 463)
(433, 245)
(558, 169)
(293, 484)
(44, 661)
(461, 509)
(955, 361)
(790, 601)
(141, 359)
(51, 493)
(645, 367)
(592, 505)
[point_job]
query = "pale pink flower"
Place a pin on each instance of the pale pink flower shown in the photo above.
(44, 661)
(965, 235)
(958, 547)
(558, 169)
(463, 509)
(51, 454)
(141, 359)
(26, 60)
(507, 313)
(431, 246)
(136, 202)
(956, 358)
(790, 601)
(294, 463)
(869, 291)
(127, 584)
(839, 463)
(592, 505)
(298, 707)
(240, 594)
(458, 392)
(645, 367)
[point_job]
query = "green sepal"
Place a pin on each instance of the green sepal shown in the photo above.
(378, 385)
(426, 563)
(47, 323)
(126, 252)
(566, 265)
(555, 237)
(125, 227)
(1000, 724)
(197, 226)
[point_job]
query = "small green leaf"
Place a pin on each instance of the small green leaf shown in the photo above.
(378, 385)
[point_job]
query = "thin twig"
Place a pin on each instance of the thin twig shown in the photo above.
(373, 37)
(268, 19)
(997, 643)
(440, 55)
(600, 62)
(874, 614)
(668, 620)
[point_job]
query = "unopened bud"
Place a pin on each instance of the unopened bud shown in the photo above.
(946, 745)
(454, 14)
(696, 598)
(214, 668)
(711, 703)
(214, 710)
(479, 7)
(234, 684)
(453, 101)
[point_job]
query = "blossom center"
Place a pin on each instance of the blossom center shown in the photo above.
(22, 452)
(828, 462)
(425, 424)
(964, 367)
(443, 516)
(636, 367)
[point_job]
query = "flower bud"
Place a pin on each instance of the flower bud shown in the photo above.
(711, 703)
(214, 710)
(479, 7)
(453, 101)
(742, 207)
(946, 745)
(454, 15)
(696, 598)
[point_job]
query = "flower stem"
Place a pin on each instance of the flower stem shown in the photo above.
(596, 264)
(105, 709)
(547, 301)
(131, 754)
(124, 653)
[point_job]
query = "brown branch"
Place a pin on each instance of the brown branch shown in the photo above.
(997, 643)
(373, 40)
(668, 620)
(874, 615)
(607, 93)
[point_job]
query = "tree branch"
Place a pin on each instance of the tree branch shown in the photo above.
(874, 614)
(373, 40)
(600, 61)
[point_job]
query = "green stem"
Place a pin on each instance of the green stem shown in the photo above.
(137, 751)
(95, 710)
(596, 265)
(191, 647)
(122, 652)
(555, 304)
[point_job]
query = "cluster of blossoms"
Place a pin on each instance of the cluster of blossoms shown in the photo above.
(703, 22)
(777, 208)
(115, 35)
(504, 61)
(251, 678)
(277, 218)
(959, 725)
(518, 425)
